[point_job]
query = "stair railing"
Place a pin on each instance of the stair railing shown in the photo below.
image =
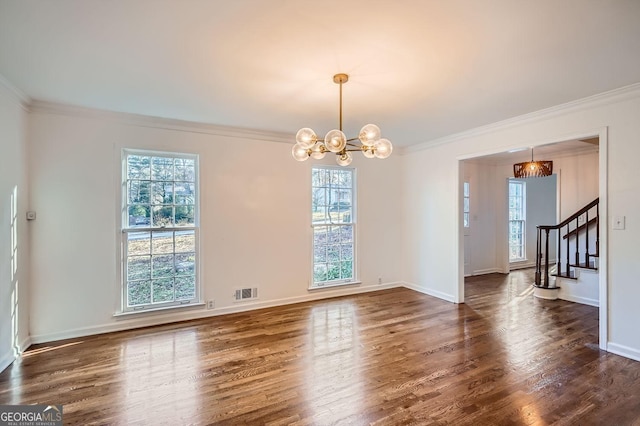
(573, 229)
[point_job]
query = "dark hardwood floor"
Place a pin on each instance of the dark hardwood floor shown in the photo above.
(386, 358)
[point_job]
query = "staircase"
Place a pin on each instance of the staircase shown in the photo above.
(577, 246)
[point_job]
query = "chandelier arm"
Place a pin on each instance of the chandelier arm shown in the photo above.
(352, 139)
(352, 144)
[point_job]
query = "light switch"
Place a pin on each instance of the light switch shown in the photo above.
(618, 222)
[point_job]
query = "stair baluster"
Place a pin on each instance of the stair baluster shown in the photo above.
(567, 272)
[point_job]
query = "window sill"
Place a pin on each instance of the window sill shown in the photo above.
(156, 310)
(334, 285)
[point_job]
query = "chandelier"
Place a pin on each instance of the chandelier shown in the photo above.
(371, 145)
(533, 168)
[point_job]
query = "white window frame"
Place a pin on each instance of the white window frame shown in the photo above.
(466, 204)
(520, 220)
(334, 208)
(147, 226)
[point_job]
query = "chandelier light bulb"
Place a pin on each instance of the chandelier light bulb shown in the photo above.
(299, 153)
(383, 148)
(335, 141)
(306, 137)
(344, 159)
(368, 151)
(369, 134)
(318, 151)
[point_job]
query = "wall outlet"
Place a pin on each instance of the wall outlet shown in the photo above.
(211, 304)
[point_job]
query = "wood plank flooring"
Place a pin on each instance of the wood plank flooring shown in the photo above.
(384, 358)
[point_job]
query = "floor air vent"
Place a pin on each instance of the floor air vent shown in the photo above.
(246, 294)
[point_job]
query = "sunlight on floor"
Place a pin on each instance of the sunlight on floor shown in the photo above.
(44, 349)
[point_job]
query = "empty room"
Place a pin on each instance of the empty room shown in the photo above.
(316, 213)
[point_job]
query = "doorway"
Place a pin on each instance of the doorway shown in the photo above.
(500, 160)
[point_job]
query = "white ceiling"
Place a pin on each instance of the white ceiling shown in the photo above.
(420, 69)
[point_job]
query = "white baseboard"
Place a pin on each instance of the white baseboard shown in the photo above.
(162, 317)
(578, 299)
(624, 351)
(6, 360)
(430, 292)
(487, 271)
(521, 265)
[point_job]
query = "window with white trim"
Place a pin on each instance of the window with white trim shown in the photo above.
(465, 206)
(334, 223)
(517, 221)
(160, 230)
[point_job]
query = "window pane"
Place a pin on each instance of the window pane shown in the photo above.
(139, 191)
(319, 253)
(138, 243)
(333, 271)
(320, 272)
(185, 241)
(185, 215)
(185, 263)
(138, 292)
(138, 167)
(139, 216)
(162, 168)
(163, 216)
(185, 287)
(162, 266)
(346, 251)
(185, 169)
(163, 290)
(139, 267)
(162, 192)
(162, 242)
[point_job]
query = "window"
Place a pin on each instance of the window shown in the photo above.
(517, 221)
(333, 222)
(465, 207)
(160, 229)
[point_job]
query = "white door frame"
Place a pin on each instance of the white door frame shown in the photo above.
(602, 134)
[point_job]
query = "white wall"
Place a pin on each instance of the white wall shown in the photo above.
(484, 248)
(432, 223)
(255, 210)
(14, 235)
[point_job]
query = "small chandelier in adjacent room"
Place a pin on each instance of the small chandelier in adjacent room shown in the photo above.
(533, 168)
(371, 144)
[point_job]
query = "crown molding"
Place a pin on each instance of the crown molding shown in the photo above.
(601, 99)
(45, 107)
(16, 93)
